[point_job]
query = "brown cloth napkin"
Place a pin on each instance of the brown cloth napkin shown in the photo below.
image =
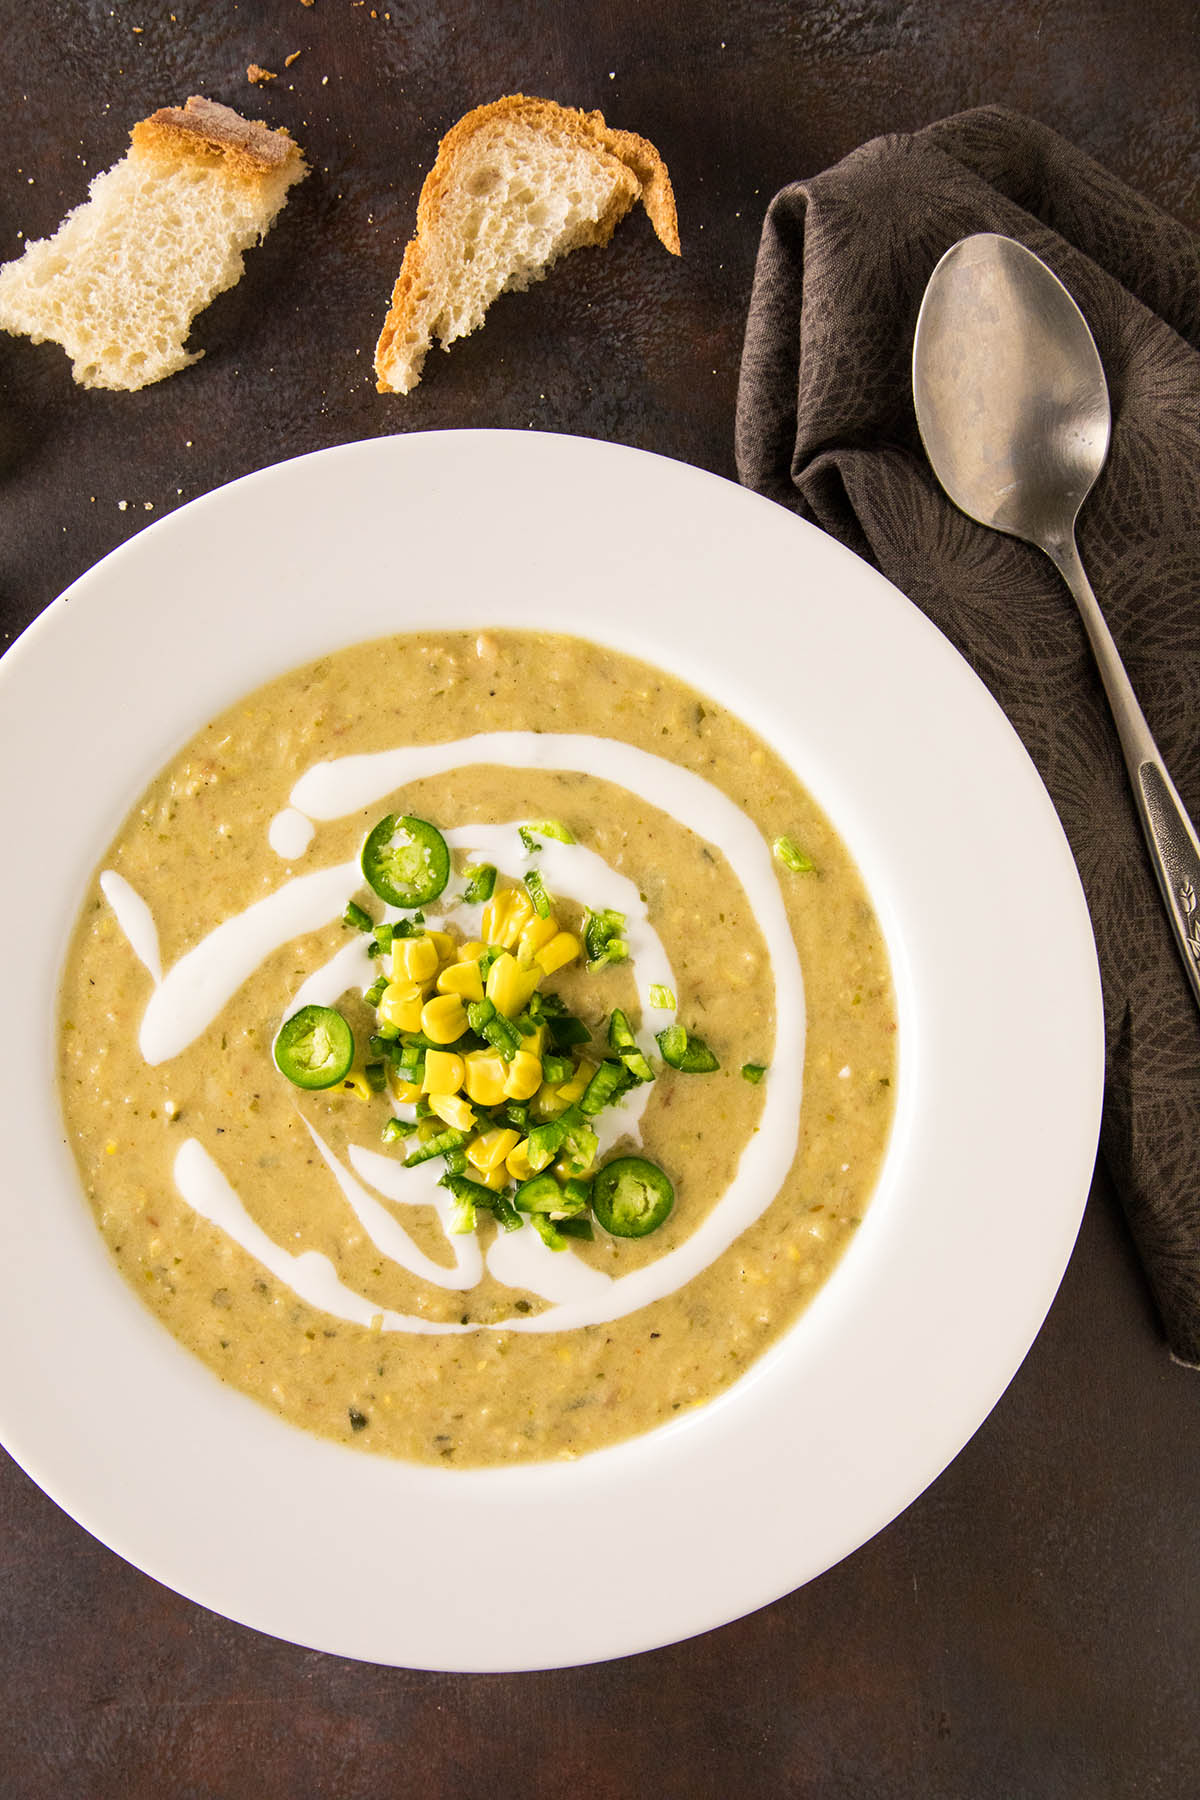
(825, 425)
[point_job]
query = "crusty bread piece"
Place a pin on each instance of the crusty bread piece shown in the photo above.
(160, 235)
(515, 186)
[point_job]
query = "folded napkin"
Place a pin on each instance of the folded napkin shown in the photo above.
(826, 425)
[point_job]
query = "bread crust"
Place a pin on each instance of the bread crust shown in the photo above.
(247, 148)
(641, 174)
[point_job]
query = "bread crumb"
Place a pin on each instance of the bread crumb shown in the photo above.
(258, 75)
(122, 505)
(289, 60)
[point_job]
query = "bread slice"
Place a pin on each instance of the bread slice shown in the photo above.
(160, 235)
(515, 186)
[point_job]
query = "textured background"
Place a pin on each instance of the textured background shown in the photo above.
(1032, 1625)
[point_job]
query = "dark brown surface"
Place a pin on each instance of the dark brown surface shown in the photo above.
(1032, 1625)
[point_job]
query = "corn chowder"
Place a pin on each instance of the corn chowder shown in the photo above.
(485, 1074)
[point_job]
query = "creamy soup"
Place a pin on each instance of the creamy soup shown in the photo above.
(279, 1233)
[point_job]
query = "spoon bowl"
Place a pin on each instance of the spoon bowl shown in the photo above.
(1010, 393)
(1013, 410)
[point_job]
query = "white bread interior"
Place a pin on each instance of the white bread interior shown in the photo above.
(516, 185)
(161, 234)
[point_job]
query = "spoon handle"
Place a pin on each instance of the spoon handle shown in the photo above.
(1170, 834)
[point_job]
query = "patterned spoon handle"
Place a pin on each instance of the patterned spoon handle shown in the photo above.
(1170, 834)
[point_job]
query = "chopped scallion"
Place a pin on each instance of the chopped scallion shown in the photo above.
(396, 1129)
(792, 857)
(356, 918)
(376, 1075)
(536, 888)
(547, 828)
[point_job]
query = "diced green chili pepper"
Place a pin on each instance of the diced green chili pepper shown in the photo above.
(606, 1085)
(436, 1146)
(680, 1050)
(548, 1231)
(600, 928)
(374, 994)
(567, 1031)
(516, 1114)
(753, 1072)
(376, 1075)
(578, 1194)
(356, 918)
(662, 997)
(396, 1129)
(541, 1194)
(456, 1161)
(536, 889)
(481, 884)
(576, 1228)
(315, 1047)
(502, 1036)
(544, 1143)
(406, 861)
(631, 1197)
(792, 856)
(580, 1143)
(504, 1212)
(622, 1040)
(615, 951)
(383, 935)
(556, 1068)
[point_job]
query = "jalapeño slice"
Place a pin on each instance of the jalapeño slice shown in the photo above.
(406, 861)
(315, 1047)
(631, 1197)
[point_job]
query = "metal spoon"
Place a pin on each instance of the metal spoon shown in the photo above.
(1013, 410)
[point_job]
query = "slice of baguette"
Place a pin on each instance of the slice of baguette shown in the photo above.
(515, 186)
(160, 235)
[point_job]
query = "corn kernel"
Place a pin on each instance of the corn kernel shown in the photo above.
(463, 979)
(400, 1005)
(484, 1078)
(562, 949)
(573, 1089)
(444, 1072)
(406, 1092)
(509, 987)
(416, 958)
(495, 1179)
(535, 936)
(517, 1162)
(495, 916)
(454, 1110)
(443, 1018)
(443, 943)
(471, 952)
(357, 1085)
(506, 915)
(524, 1076)
(490, 1148)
